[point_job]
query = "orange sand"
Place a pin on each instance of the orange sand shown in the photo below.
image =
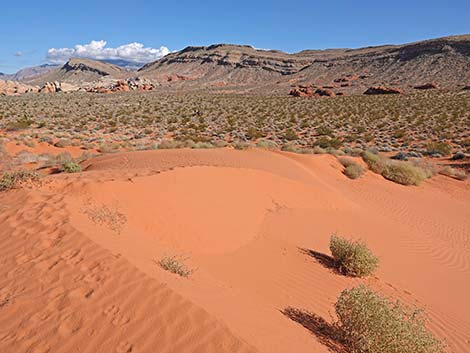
(243, 220)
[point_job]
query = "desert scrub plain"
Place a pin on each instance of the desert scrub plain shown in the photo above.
(417, 122)
(431, 124)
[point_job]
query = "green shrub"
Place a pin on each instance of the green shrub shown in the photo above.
(13, 179)
(71, 167)
(369, 323)
(175, 265)
(404, 173)
(352, 258)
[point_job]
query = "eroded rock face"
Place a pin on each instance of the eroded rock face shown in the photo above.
(52, 87)
(325, 92)
(430, 85)
(13, 88)
(134, 84)
(311, 91)
(302, 91)
(383, 90)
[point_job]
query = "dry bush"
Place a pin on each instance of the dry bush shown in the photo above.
(107, 216)
(71, 167)
(202, 145)
(14, 179)
(174, 264)
(442, 148)
(353, 258)
(267, 144)
(369, 323)
(170, 144)
(241, 145)
(290, 147)
(63, 143)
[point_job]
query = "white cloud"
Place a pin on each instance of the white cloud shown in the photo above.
(132, 52)
(19, 53)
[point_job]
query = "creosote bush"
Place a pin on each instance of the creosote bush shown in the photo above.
(369, 323)
(353, 258)
(175, 265)
(13, 179)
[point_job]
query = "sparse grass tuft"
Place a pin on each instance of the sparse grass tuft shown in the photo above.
(374, 161)
(369, 323)
(352, 169)
(174, 264)
(454, 173)
(399, 172)
(353, 258)
(404, 173)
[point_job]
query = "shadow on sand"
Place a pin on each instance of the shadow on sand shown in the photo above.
(325, 260)
(326, 333)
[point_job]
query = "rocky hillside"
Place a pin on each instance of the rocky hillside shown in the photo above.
(443, 60)
(78, 71)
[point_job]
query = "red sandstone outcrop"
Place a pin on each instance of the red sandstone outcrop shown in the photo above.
(383, 90)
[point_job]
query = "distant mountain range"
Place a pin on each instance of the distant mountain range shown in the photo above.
(445, 61)
(28, 72)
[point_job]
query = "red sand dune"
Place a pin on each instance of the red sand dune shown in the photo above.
(245, 221)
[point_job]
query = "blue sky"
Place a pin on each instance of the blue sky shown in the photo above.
(29, 28)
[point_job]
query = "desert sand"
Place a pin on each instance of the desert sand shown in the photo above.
(79, 252)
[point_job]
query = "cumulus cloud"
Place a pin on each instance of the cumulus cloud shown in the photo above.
(19, 53)
(133, 52)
